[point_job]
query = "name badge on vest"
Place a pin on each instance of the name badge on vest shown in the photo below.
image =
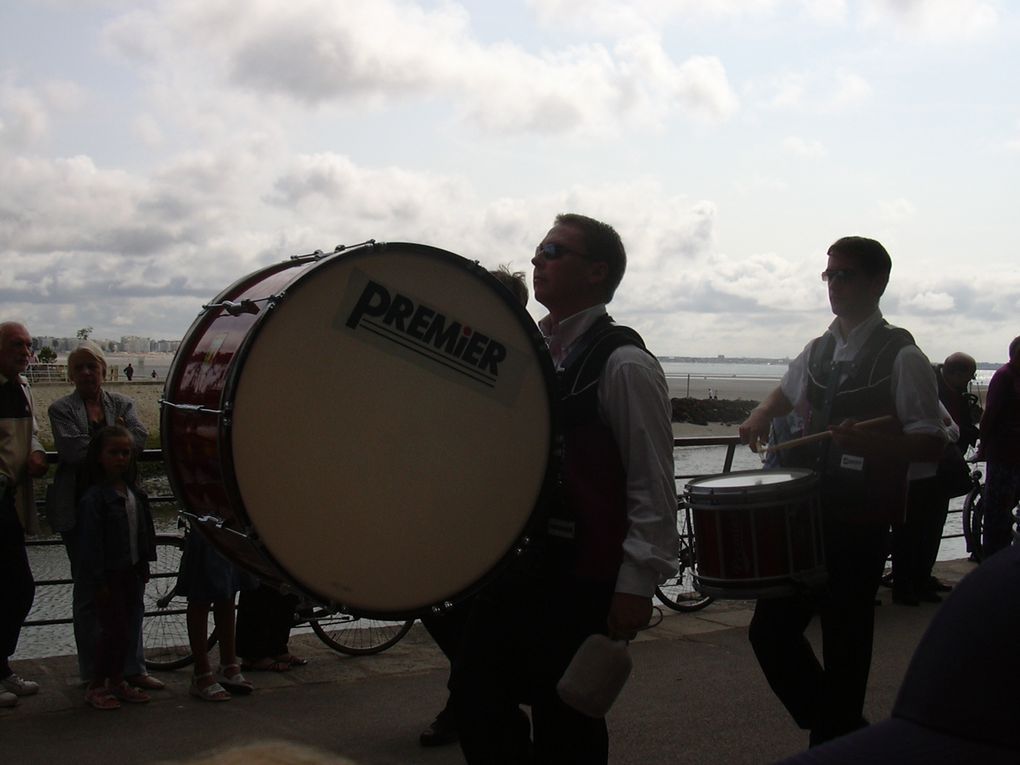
(851, 462)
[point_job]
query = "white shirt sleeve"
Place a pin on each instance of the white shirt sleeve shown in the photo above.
(634, 401)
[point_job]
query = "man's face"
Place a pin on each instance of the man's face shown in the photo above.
(852, 293)
(15, 350)
(565, 284)
(958, 379)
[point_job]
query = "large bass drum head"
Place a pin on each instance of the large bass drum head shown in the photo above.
(391, 428)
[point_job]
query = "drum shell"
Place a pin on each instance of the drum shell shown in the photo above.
(218, 367)
(758, 539)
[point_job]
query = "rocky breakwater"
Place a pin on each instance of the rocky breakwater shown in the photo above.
(701, 411)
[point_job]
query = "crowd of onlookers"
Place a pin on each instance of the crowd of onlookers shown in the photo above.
(104, 521)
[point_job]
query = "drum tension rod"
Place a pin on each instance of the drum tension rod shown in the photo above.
(196, 408)
(235, 309)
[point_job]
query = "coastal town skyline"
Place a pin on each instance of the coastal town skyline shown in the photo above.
(154, 152)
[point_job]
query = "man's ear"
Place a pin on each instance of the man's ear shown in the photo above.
(598, 272)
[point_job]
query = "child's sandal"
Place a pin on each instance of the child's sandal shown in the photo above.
(235, 682)
(130, 694)
(101, 698)
(211, 692)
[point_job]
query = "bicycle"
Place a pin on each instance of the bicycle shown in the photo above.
(165, 630)
(680, 592)
(974, 518)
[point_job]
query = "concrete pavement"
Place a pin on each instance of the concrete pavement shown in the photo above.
(696, 696)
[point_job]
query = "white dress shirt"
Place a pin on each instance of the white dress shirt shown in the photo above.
(634, 403)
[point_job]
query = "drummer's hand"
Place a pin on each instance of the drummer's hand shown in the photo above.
(754, 431)
(852, 439)
(627, 614)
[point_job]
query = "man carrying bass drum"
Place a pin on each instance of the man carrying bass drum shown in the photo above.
(612, 530)
(860, 369)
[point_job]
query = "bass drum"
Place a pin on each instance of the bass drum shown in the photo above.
(372, 428)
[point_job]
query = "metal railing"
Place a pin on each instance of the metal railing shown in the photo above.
(731, 443)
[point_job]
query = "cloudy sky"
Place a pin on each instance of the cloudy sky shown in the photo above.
(151, 153)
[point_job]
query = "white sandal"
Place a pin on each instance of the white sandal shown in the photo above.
(235, 682)
(211, 692)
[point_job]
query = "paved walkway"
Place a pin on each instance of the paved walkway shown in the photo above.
(695, 696)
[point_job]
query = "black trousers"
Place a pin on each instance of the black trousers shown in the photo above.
(827, 696)
(915, 542)
(518, 640)
(17, 588)
(264, 620)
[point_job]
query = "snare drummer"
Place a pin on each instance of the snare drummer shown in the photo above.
(615, 520)
(861, 368)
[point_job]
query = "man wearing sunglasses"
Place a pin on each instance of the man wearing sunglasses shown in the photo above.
(860, 369)
(612, 529)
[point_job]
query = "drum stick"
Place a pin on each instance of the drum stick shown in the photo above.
(825, 434)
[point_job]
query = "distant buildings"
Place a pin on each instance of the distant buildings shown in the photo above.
(127, 344)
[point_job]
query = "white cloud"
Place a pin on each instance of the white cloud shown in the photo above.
(819, 91)
(803, 147)
(929, 302)
(380, 52)
(933, 20)
(896, 209)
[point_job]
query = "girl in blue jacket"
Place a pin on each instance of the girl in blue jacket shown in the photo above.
(117, 541)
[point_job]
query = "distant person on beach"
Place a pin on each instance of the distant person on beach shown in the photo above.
(75, 419)
(861, 368)
(613, 534)
(1000, 448)
(129, 372)
(22, 458)
(153, 374)
(447, 628)
(116, 541)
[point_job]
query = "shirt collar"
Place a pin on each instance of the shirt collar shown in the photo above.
(561, 337)
(859, 334)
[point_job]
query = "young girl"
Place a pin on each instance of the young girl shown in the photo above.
(117, 540)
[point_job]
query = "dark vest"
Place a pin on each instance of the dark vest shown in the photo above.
(856, 488)
(592, 509)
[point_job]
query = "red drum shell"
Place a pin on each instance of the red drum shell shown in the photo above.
(758, 533)
(377, 436)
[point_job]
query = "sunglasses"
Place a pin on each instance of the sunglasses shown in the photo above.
(846, 275)
(553, 251)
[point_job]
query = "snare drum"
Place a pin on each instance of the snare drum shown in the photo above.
(758, 533)
(372, 428)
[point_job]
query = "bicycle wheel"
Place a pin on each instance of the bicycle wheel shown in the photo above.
(359, 637)
(164, 626)
(680, 592)
(973, 519)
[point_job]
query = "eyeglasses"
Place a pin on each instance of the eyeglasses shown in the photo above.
(553, 251)
(839, 275)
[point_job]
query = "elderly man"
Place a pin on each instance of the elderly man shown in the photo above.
(860, 369)
(21, 459)
(612, 530)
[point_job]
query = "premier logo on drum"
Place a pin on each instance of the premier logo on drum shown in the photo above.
(415, 326)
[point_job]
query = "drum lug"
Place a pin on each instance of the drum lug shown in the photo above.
(440, 608)
(234, 309)
(194, 408)
(522, 546)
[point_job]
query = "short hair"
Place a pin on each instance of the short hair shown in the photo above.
(7, 326)
(603, 244)
(86, 349)
(95, 470)
(959, 363)
(1014, 348)
(515, 281)
(871, 256)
